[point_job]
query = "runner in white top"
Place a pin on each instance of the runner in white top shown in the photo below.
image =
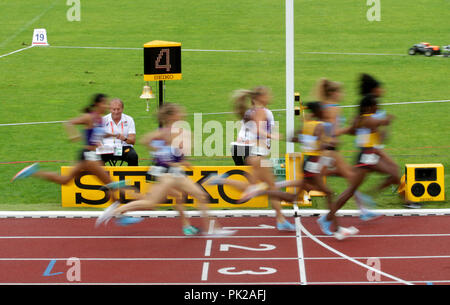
(251, 105)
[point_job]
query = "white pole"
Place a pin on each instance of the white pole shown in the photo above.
(289, 73)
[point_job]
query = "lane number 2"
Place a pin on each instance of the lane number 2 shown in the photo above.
(263, 247)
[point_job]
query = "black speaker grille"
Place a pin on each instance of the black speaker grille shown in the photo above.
(434, 189)
(417, 189)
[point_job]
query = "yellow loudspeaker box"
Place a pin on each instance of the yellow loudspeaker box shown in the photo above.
(424, 182)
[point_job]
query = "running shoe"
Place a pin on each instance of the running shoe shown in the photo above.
(215, 179)
(343, 233)
(116, 184)
(285, 226)
(366, 199)
(107, 214)
(412, 205)
(26, 172)
(191, 230)
(369, 215)
(218, 232)
(253, 191)
(127, 220)
(324, 225)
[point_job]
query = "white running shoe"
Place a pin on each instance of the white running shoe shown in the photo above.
(343, 233)
(107, 214)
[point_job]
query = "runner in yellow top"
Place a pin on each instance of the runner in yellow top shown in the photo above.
(330, 94)
(366, 126)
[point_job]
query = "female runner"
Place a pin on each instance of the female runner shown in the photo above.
(315, 142)
(171, 179)
(251, 107)
(89, 160)
(371, 157)
(330, 93)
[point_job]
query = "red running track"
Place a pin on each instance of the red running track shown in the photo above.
(414, 249)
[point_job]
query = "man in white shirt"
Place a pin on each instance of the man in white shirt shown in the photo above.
(123, 135)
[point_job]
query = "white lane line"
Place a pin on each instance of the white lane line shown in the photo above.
(426, 257)
(350, 53)
(301, 257)
(135, 237)
(208, 247)
(140, 49)
(16, 51)
(352, 259)
(205, 270)
(182, 236)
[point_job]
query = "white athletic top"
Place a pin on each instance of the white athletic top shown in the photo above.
(253, 134)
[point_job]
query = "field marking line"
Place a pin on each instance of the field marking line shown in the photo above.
(230, 112)
(301, 256)
(352, 259)
(16, 51)
(24, 27)
(140, 49)
(350, 53)
(230, 51)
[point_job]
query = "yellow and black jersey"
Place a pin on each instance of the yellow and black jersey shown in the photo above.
(311, 143)
(367, 138)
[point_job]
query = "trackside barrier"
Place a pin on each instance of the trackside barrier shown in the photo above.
(87, 190)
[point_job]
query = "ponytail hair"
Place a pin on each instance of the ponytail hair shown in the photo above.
(96, 98)
(367, 83)
(368, 101)
(166, 111)
(325, 87)
(244, 99)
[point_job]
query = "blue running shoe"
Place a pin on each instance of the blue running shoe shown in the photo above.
(190, 230)
(369, 215)
(368, 200)
(214, 179)
(285, 226)
(325, 225)
(26, 172)
(116, 184)
(126, 220)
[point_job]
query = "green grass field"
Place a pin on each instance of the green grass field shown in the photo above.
(45, 84)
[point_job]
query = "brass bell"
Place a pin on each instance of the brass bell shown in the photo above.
(147, 92)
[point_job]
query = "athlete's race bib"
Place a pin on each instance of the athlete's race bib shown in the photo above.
(176, 171)
(370, 159)
(313, 167)
(91, 156)
(327, 161)
(157, 171)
